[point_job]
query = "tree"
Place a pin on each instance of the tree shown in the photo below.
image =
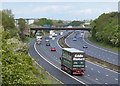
(8, 20)
(43, 21)
(22, 26)
(60, 21)
(105, 29)
(75, 23)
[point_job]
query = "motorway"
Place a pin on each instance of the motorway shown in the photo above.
(51, 63)
(92, 50)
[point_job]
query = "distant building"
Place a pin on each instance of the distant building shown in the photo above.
(87, 23)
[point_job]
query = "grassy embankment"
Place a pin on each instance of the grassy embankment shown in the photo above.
(18, 67)
(103, 45)
(105, 31)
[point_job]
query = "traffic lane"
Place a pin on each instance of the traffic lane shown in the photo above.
(103, 75)
(53, 42)
(95, 74)
(116, 75)
(105, 49)
(50, 69)
(110, 56)
(93, 52)
(86, 73)
(47, 54)
(53, 60)
(98, 77)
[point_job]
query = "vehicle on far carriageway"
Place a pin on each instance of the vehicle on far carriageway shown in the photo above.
(73, 61)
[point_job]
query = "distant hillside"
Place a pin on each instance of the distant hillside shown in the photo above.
(106, 29)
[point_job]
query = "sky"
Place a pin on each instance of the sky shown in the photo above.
(61, 10)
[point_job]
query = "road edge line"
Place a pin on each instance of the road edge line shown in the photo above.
(92, 62)
(98, 47)
(45, 71)
(57, 67)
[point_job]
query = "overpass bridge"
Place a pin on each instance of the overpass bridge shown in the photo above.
(58, 28)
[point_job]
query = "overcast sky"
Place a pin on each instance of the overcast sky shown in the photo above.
(60, 10)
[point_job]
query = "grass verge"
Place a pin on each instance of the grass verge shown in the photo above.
(103, 45)
(49, 79)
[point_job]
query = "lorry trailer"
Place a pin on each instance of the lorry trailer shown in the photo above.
(73, 61)
(39, 39)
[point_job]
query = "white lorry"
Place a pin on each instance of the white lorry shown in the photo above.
(61, 33)
(39, 39)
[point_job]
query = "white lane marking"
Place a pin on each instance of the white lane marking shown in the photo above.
(57, 67)
(98, 47)
(88, 75)
(98, 71)
(116, 79)
(95, 64)
(29, 54)
(107, 75)
(58, 44)
(45, 71)
(103, 67)
(66, 39)
(106, 83)
(91, 68)
(96, 79)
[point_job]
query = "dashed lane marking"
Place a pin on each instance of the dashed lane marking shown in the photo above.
(98, 71)
(106, 83)
(96, 79)
(88, 75)
(116, 79)
(107, 75)
(91, 62)
(98, 47)
(57, 67)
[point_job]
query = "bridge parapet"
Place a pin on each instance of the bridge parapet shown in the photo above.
(60, 28)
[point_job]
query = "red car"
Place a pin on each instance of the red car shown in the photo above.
(53, 49)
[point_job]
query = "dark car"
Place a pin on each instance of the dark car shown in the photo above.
(74, 39)
(85, 46)
(48, 44)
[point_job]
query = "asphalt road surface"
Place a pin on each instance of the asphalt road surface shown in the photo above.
(51, 63)
(93, 49)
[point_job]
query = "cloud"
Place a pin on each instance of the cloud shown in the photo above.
(82, 11)
(59, 0)
(51, 9)
(85, 11)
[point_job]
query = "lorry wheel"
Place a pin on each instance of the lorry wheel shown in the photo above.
(62, 68)
(70, 72)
